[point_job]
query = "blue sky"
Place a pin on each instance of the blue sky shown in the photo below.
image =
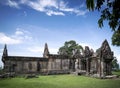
(26, 25)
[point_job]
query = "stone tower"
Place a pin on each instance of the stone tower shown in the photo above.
(5, 53)
(46, 51)
(106, 57)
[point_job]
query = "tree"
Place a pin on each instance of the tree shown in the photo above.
(115, 65)
(69, 48)
(116, 38)
(110, 11)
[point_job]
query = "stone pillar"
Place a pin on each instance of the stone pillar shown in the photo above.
(102, 69)
(87, 66)
(76, 65)
(73, 64)
(61, 64)
(109, 68)
(99, 68)
(80, 64)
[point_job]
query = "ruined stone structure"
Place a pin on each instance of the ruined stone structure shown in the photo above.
(88, 63)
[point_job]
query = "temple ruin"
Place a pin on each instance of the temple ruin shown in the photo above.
(89, 63)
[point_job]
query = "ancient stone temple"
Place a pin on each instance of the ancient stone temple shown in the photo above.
(88, 63)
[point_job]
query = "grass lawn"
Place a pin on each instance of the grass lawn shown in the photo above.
(59, 81)
(116, 73)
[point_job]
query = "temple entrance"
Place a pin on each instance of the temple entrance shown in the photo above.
(38, 66)
(108, 68)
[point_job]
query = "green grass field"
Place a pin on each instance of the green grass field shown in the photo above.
(116, 73)
(59, 81)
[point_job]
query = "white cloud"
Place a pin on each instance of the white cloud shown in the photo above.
(45, 6)
(18, 37)
(4, 39)
(25, 13)
(19, 32)
(50, 13)
(64, 7)
(12, 4)
(1, 51)
(60, 7)
(118, 58)
(81, 12)
(50, 7)
(23, 1)
(22, 34)
(35, 49)
(48, 3)
(38, 49)
(36, 5)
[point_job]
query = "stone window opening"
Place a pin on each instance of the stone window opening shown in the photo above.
(30, 66)
(38, 66)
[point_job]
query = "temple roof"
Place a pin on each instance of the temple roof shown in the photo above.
(25, 58)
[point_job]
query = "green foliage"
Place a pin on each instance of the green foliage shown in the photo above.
(115, 65)
(110, 11)
(59, 81)
(69, 47)
(116, 38)
(90, 4)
